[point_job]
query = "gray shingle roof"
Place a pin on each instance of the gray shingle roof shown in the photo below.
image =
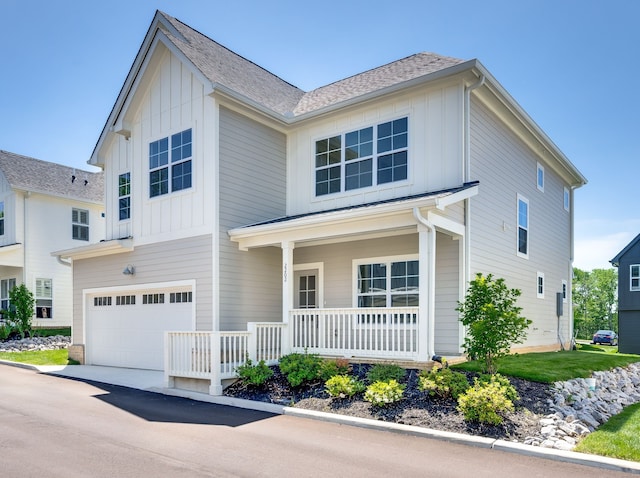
(222, 66)
(30, 174)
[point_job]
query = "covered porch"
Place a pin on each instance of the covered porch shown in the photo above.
(379, 282)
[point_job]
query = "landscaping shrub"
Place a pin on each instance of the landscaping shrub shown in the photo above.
(444, 383)
(332, 367)
(5, 331)
(300, 368)
(20, 313)
(485, 402)
(509, 390)
(343, 386)
(385, 373)
(254, 374)
(384, 393)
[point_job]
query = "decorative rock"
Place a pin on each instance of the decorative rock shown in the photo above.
(54, 342)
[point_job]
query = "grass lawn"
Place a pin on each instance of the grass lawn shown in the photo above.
(39, 357)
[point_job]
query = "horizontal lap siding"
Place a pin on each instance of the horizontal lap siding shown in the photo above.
(252, 189)
(506, 167)
(185, 259)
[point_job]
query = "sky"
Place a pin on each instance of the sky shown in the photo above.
(572, 65)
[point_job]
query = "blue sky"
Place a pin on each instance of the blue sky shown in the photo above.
(573, 65)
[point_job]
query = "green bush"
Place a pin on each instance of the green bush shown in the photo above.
(385, 373)
(300, 368)
(443, 383)
(343, 386)
(5, 331)
(509, 390)
(332, 367)
(384, 393)
(254, 374)
(20, 312)
(485, 402)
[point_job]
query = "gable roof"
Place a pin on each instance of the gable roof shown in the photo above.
(30, 174)
(616, 260)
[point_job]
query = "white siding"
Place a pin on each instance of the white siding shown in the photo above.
(252, 189)
(447, 323)
(435, 148)
(505, 168)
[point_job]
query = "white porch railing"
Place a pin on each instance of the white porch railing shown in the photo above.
(360, 332)
(390, 333)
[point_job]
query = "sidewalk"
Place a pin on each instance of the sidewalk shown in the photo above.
(153, 381)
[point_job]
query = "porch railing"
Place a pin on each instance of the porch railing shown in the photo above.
(390, 333)
(356, 332)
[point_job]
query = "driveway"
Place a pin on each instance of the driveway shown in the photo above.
(59, 427)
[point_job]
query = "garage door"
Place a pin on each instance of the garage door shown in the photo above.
(126, 329)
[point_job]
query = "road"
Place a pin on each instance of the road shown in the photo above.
(58, 427)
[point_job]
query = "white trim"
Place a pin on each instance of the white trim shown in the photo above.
(631, 277)
(520, 198)
(565, 291)
(566, 199)
(319, 266)
(377, 260)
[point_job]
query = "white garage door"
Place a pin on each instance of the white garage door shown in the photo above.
(126, 329)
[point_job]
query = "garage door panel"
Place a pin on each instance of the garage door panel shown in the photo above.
(132, 335)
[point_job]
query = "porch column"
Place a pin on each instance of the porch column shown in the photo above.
(287, 293)
(427, 291)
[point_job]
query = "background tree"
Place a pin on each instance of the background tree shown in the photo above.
(594, 301)
(493, 320)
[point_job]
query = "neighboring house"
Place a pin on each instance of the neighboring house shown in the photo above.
(43, 207)
(628, 264)
(260, 219)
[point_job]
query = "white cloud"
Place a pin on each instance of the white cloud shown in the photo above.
(596, 252)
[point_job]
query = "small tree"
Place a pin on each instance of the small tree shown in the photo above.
(492, 319)
(20, 313)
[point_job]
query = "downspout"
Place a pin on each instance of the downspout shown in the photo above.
(428, 270)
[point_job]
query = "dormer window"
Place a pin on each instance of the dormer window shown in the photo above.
(362, 158)
(178, 147)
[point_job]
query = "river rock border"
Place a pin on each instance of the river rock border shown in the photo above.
(53, 342)
(581, 405)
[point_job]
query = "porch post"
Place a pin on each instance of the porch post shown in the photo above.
(427, 288)
(287, 293)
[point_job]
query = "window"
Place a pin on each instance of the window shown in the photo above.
(540, 179)
(180, 297)
(160, 181)
(101, 301)
(307, 291)
(44, 299)
(362, 158)
(523, 227)
(388, 284)
(153, 298)
(635, 276)
(566, 199)
(564, 291)
(124, 196)
(1, 218)
(126, 300)
(540, 286)
(5, 288)
(80, 224)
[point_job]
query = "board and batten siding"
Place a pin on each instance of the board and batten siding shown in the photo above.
(506, 167)
(434, 149)
(185, 259)
(252, 190)
(169, 100)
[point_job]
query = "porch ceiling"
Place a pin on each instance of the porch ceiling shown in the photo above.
(384, 218)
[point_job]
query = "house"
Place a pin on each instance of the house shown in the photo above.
(43, 207)
(628, 263)
(246, 217)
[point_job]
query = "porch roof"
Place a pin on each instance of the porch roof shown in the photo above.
(385, 217)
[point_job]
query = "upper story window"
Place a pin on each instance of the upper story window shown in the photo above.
(124, 196)
(564, 291)
(540, 286)
(540, 177)
(1, 218)
(362, 158)
(165, 177)
(634, 276)
(80, 224)
(523, 227)
(566, 199)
